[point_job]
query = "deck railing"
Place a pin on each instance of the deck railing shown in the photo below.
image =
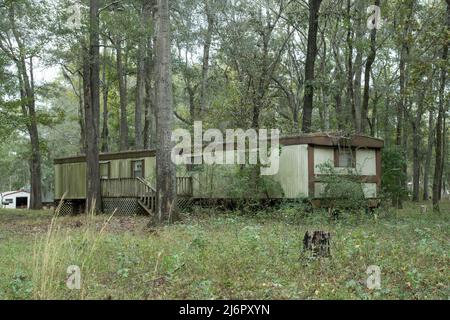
(137, 187)
(184, 186)
(122, 187)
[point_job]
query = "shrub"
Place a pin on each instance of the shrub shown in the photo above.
(393, 178)
(341, 191)
(247, 187)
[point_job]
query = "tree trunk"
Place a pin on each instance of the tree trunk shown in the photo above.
(339, 85)
(36, 184)
(360, 27)
(349, 40)
(123, 124)
(311, 52)
(92, 113)
(426, 171)
(417, 139)
(81, 116)
(262, 85)
(205, 63)
(401, 99)
(440, 133)
(165, 169)
(444, 155)
(373, 124)
(105, 129)
(416, 160)
(29, 112)
(149, 113)
(367, 71)
(318, 242)
(324, 84)
(149, 110)
(401, 104)
(140, 77)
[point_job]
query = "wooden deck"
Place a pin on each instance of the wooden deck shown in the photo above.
(136, 187)
(143, 191)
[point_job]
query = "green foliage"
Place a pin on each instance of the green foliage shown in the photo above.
(225, 256)
(293, 211)
(393, 178)
(246, 186)
(341, 191)
(21, 286)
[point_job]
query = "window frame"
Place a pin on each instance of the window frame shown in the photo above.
(142, 167)
(108, 163)
(337, 152)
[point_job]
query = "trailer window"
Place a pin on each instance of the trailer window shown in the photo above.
(104, 170)
(137, 168)
(345, 158)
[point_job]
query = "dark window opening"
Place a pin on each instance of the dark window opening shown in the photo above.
(137, 168)
(21, 202)
(344, 158)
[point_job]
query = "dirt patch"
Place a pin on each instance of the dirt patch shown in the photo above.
(127, 223)
(28, 224)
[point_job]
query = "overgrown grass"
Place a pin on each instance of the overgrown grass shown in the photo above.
(225, 255)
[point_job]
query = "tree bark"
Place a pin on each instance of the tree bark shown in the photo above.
(417, 139)
(166, 210)
(105, 84)
(350, 90)
(27, 93)
(149, 113)
(357, 112)
(311, 52)
(401, 140)
(401, 100)
(416, 161)
(338, 76)
(123, 124)
(92, 112)
(81, 116)
(205, 62)
(318, 243)
(427, 167)
(36, 174)
(149, 109)
(440, 133)
(324, 85)
(140, 77)
(367, 71)
(444, 156)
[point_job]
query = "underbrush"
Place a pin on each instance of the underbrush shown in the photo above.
(227, 255)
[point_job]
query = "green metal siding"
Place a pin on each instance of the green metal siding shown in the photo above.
(150, 170)
(70, 181)
(70, 178)
(293, 171)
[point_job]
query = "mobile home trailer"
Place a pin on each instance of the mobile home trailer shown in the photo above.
(128, 179)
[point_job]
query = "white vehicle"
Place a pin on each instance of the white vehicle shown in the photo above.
(19, 199)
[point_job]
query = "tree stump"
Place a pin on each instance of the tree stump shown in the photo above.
(317, 242)
(423, 209)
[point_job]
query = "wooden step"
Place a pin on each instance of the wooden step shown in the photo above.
(145, 207)
(182, 203)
